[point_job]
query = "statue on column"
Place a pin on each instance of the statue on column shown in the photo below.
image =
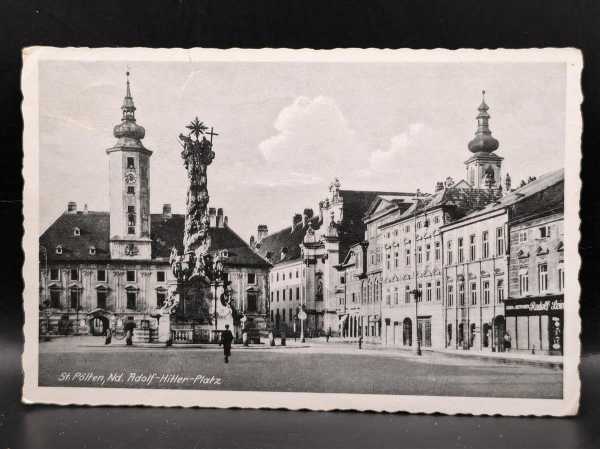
(197, 155)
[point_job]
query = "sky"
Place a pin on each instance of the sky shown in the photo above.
(287, 129)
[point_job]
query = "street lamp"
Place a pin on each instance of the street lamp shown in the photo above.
(216, 274)
(417, 295)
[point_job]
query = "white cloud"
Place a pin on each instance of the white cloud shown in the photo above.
(314, 142)
(402, 148)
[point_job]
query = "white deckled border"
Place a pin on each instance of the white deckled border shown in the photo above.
(32, 393)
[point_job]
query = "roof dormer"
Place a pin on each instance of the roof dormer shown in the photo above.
(92, 250)
(76, 231)
(59, 249)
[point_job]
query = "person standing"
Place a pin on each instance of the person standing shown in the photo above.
(108, 336)
(226, 339)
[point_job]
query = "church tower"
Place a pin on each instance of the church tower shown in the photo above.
(129, 185)
(483, 168)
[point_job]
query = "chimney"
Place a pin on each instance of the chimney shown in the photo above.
(252, 242)
(212, 217)
(261, 233)
(296, 220)
(308, 214)
(71, 207)
(166, 211)
(225, 221)
(219, 217)
(439, 186)
(85, 208)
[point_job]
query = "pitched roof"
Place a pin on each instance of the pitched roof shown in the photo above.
(165, 233)
(271, 247)
(516, 196)
(94, 231)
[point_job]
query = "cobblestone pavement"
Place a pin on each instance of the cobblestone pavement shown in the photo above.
(309, 367)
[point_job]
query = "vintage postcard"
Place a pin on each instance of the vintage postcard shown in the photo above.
(388, 230)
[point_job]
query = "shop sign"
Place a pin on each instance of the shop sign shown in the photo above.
(550, 305)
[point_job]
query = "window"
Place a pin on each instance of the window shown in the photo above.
(388, 297)
(54, 274)
(55, 298)
(500, 290)
(251, 278)
(407, 254)
(523, 282)
(271, 316)
(485, 245)
(419, 254)
(461, 294)
(396, 295)
(543, 277)
(131, 297)
(74, 298)
(561, 278)
(420, 290)
(130, 163)
(436, 219)
(76, 232)
(438, 252)
(59, 249)
(283, 276)
(461, 255)
(296, 274)
(101, 299)
(486, 292)
(407, 294)
(283, 294)
(472, 251)
(160, 276)
(278, 276)
(428, 292)
(499, 241)
(522, 236)
(396, 259)
(290, 275)
(277, 295)
(388, 257)
(418, 225)
(297, 293)
(74, 275)
(282, 314)
(427, 252)
(473, 293)
(272, 296)
(130, 276)
(449, 255)
(544, 232)
(252, 303)
(450, 295)
(130, 190)
(290, 294)
(438, 290)
(101, 275)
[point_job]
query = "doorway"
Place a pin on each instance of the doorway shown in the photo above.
(98, 325)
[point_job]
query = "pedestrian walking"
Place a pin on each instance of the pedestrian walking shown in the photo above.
(360, 340)
(108, 334)
(226, 339)
(507, 341)
(328, 335)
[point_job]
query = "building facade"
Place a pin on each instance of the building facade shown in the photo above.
(534, 307)
(101, 269)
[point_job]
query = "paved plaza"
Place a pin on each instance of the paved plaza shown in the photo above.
(309, 367)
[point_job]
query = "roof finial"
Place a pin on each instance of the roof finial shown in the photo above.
(128, 107)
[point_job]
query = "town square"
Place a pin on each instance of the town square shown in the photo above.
(396, 241)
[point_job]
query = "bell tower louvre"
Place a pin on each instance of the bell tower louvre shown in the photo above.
(129, 187)
(483, 168)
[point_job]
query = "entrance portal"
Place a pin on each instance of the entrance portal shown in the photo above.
(98, 325)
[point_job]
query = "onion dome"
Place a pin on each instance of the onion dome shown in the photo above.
(483, 141)
(128, 131)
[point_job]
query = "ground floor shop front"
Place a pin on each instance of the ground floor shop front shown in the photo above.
(536, 324)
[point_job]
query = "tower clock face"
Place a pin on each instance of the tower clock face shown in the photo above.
(130, 178)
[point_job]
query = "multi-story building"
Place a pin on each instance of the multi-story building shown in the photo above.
(320, 243)
(99, 269)
(349, 291)
(534, 307)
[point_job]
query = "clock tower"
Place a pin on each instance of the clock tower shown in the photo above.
(129, 185)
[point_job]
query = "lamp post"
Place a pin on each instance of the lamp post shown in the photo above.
(215, 272)
(417, 296)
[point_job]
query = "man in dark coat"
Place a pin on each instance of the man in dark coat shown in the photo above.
(226, 339)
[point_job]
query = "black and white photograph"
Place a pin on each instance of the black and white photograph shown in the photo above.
(387, 230)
